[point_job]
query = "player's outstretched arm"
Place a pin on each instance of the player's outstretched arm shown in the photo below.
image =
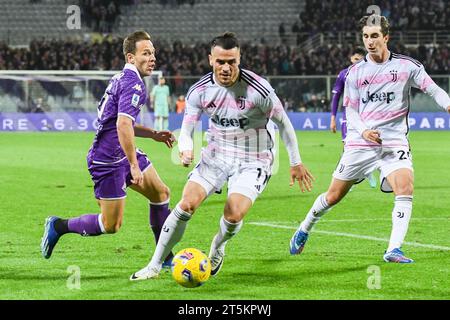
(161, 136)
(423, 81)
(186, 143)
(192, 114)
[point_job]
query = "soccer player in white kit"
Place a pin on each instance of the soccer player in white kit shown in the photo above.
(240, 105)
(376, 98)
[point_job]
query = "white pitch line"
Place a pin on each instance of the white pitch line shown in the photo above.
(383, 219)
(350, 235)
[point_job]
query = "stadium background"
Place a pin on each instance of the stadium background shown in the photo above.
(300, 46)
(53, 75)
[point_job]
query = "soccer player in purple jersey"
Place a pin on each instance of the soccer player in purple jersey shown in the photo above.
(376, 98)
(357, 54)
(113, 160)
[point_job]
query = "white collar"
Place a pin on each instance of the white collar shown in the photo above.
(132, 67)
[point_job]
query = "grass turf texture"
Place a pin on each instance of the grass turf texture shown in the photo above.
(45, 173)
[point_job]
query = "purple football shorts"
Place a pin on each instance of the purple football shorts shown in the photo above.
(111, 180)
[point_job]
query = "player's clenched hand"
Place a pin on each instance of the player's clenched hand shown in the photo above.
(136, 174)
(372, 136)
(448, 109)
(303, 176)
(186, 157)
(164, 136)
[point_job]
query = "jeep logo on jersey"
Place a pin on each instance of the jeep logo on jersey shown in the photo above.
(241, 102)
(227, 122)
(382, 96)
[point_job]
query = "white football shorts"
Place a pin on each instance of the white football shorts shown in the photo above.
(246, 178)
(357, 164)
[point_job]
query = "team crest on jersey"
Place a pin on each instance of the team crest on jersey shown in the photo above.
(394, 75)
(135, 100)
(241, 102)
(137, 87)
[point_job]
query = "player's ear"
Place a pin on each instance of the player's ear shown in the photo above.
(211, 61)
(130, 58)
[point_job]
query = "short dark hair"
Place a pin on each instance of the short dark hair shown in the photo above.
(382, 21)
(227, 41)
(359, 50)
(129, 43)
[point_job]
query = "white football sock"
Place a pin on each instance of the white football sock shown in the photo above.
(227, 230)
(319, 208)
(171, 233)
(400, 221)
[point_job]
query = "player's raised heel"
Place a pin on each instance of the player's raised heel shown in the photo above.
(396, 256)
(298, 241)
(145, 273)
(50, 237)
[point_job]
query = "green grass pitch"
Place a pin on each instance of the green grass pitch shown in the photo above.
(45, 173)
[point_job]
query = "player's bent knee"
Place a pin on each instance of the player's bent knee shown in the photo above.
(233, 213)
(166, 192)
(112, 228)
(189, 205)
(333, 198)
(234, 218)
(163, 193)
(406, 189)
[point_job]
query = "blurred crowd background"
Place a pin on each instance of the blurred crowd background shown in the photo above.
(278, 38)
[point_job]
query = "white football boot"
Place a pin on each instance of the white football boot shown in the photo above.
(145, 273)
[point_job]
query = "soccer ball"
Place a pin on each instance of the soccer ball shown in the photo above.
(191, 268)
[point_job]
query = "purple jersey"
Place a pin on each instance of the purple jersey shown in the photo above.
(124, 96)
(338, 90)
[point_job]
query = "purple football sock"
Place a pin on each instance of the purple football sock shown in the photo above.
(158, 215)
(85, 225)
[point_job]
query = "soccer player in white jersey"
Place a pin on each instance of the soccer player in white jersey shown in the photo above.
(376, 98)
(240, 105)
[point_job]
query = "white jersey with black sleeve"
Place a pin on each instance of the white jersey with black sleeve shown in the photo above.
(239, 119)
(377, 96)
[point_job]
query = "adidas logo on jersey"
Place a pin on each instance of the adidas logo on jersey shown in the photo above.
(211, 105)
